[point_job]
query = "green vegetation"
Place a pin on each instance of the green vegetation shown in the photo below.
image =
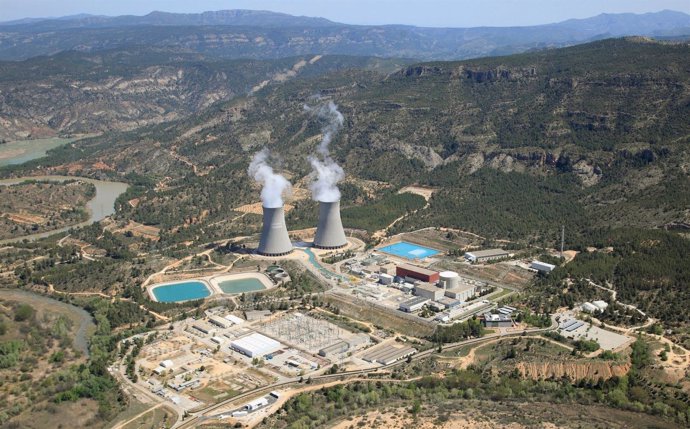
(471, 328)
(23, 313)
(34, 207)
(321, 408)
(511, 205)
(517, 146)
(379, 214)
(647, 268)
(586, 346)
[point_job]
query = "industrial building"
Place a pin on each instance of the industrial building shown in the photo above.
(600, 305)
(497, 320)
(204, 327)
(486, 255)
(437, 306)
(449, 279)
(388, 268)
(329, 232)
(334, 349)
(255, 345)
(388, 354)
(275, 240)
(220, 321)
(462, 292)
(413, 304)
(592, 307)
(385, 279)
(256, 404)
(542, 267)
(588, 307)
(234, 319)
(178, 387)
(429, 291)
(418, 273)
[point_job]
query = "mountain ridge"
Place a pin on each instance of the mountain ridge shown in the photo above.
(598, 131)
(265, 35)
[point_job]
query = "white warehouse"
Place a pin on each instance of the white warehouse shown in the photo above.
(542, 267)
(255, 345)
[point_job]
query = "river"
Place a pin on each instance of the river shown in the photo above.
(101, 206)
(19, 152)
(81, 318)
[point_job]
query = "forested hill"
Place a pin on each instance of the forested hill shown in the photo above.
(265, 35)
(123, 89)
(591, 136)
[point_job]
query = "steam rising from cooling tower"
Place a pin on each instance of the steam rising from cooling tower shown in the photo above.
(324, 189)
(328, 173)
(275, 240)
(274, 186)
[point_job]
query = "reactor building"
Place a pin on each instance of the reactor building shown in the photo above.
(275, 240)
(329, 232)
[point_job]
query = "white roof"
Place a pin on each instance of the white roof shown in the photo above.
(600, 304)
(487, 252)
(448, 274)
(167, 363)
(256, 344)
(543, 265)
(234, 319)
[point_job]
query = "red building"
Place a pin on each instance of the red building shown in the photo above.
(415, 272)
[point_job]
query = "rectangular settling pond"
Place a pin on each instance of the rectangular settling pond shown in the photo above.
(241, 285)
(407, 250)
(183, 291)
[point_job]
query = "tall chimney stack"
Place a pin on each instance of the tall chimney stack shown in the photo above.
(329, 232)
(275, 240)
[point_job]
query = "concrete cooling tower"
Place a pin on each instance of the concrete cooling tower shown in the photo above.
(329, 232)
(275, 240)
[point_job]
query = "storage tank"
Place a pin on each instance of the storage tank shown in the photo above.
(329, 232)
(275, 240)
(449, 279)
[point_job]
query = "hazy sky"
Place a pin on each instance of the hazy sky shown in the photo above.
(435, 13)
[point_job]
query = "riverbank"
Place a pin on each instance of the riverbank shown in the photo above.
(81, 318)
(99, 207)
(21, 151)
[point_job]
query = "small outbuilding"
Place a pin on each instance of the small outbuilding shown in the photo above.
(542, 267)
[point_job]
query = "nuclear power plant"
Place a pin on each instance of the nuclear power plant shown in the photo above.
(275, 240)
(329, 232)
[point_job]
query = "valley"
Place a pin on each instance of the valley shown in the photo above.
(249, 222)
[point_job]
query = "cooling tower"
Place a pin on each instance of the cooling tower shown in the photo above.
(274, 234)
(329, 233)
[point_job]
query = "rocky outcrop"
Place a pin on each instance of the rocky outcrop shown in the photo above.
(588, 174)
(494, 74)
(423, 70)
(572, 370)
(428, 156)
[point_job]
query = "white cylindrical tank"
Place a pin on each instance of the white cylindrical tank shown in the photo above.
(449, 279)
(329, 232)
(275, 240)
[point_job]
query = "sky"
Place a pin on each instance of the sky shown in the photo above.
(430, 13)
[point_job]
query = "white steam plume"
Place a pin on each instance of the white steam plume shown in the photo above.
(328, 173)
(274, 185)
